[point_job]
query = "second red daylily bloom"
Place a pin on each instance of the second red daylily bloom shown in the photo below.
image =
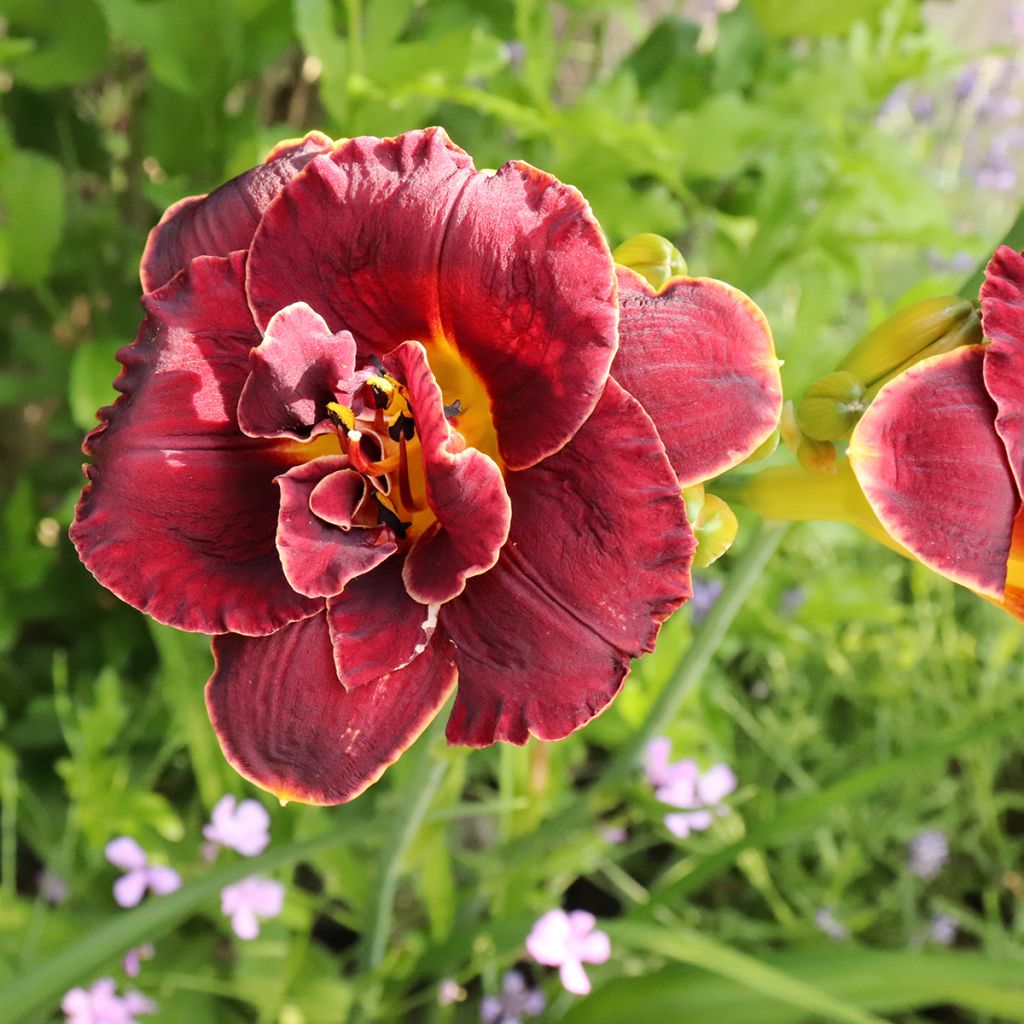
(939, 454)
(368, 438)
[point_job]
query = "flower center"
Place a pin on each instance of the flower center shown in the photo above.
(376, 429)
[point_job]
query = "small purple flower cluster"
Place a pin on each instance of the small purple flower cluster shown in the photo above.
(681, 784)
(243, 827)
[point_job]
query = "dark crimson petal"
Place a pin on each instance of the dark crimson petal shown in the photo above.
(180, 514)
(699, 357)
(286, 723)
(528, 298)
(930, 463)
(464, 490)
(297, 369)
(358, 236)
(224, 220)
(598, 556)
(1002, 309)
(376, 626)
(318, 557)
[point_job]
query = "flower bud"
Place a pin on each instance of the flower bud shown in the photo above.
(714, 525)
(904, 336)
(967, 332)
(817, 456)
(652, 257)
(831, 407)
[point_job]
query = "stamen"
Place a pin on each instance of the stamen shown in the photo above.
(404, 490)
(453, 410)
(341, 415)
(389, 517)
(403, 427)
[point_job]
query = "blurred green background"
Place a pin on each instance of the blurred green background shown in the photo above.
(834, 161)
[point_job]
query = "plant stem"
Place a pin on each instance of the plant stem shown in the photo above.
(742, 580)
(418, 796)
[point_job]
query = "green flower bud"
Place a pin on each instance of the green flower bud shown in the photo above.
(714, 525)
(831, 407)
(817, 456)
(651, 256)
(904, 336)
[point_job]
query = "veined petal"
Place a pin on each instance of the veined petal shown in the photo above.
(180, 515)
(528, 298)
(297, 368)
(700, 359)
(287, 724)
(223, 221)
(1013, 595)
(379, 207)
(598, 555)
(319, 554)
(464, 490)
(376, 627)
(928, 458)
(1002, 308)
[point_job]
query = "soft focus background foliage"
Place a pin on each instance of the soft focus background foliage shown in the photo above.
(834, 160)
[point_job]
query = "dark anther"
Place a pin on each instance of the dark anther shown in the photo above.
(453, 410)
(391, 519)
(378, 366)
(380, 397)
(404, 426)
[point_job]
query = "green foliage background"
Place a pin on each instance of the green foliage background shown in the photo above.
(859, 699)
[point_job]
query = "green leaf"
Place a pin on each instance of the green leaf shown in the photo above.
(690, 947)
(91, 380)
(811, 17)
(70, 41)
(31, 214)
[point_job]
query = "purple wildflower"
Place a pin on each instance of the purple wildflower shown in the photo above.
(568, 941)
(927, 852)
(126, 854)
(100, 1004)
(699, 797)
(943, 930)
(705, 594)
(829, 925)
(132, 962)
(243, 827)
(247, 901)
(515, 1002)
(52, 887)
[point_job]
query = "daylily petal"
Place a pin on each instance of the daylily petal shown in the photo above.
(380, 207)
(296, 371)
(465, 491)
(700, 359)
(287, 724)
(180, 514)
(376, 626)
(224, 220)
(532, 309)
(319, 557)
(1002, 307)
(935, 471)
(1013, 596)
(544, 640)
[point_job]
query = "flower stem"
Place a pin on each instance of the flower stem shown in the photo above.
(742, 580)
(426, 779)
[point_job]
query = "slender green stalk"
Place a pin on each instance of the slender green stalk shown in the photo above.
(742, 580)
(418, 796)
(1014, 238)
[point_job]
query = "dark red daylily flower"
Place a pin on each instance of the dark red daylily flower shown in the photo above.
(939, 454)
(368, 437)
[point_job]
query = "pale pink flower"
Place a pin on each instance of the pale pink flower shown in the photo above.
(132, 962)
(244, 827)
(450, 992)
(126, 854)
(100, 1004)
(699, 797)
(657, 767)
(568, 941)
(248, 900)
